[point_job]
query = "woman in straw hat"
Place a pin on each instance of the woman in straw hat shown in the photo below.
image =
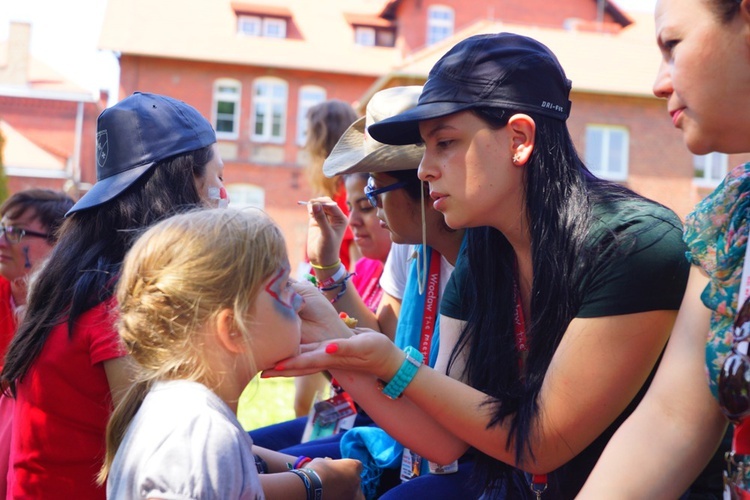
(425, 251)
(556, 316)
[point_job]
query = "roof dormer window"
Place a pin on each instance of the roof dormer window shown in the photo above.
(270, 27)
(371, 31)
(262, 20)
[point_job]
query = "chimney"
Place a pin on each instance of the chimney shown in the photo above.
(16, 70)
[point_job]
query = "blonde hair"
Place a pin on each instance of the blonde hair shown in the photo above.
(177, 277)
(326, 123)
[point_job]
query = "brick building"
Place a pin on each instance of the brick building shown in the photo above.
(48, 123)
(255, 68)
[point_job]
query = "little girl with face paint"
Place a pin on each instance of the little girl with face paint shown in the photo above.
(200, 320)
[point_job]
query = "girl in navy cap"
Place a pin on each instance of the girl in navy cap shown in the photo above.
(556, 314)
(156, 156)
(704, 77)
(65, 366)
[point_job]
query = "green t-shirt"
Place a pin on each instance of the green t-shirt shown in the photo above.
(636, 263)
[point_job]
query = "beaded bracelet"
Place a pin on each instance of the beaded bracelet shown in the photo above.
(325, 268)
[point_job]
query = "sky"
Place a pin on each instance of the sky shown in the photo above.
(65, 35)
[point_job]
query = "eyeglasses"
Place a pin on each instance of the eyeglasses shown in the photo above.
(14, 234)
(373, 194)
(734, 379)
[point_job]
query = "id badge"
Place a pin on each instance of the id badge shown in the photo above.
(330, 416)
(443, 469)
(411, 465)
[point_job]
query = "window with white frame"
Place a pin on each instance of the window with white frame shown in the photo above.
(227, 108)
(269, 109)
(364, 36)
(274, 27)
(246, 195)
(249, 25)
(709, 169)
(271, 27)
(607, 151)
(440, 20)
(309, 96)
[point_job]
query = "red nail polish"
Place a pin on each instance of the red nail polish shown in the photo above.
(279, 366)
(332, 348)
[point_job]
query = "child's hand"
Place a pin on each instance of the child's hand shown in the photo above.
(320, 321)
(340, 478)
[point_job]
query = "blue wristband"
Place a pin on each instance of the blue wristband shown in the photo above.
(405, 374)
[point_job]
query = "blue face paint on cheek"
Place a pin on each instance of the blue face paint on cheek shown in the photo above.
(27, 262)
(297, 302)
(275, 290)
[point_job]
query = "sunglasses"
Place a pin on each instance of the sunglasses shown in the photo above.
(373, 194)
(14, 234)
(734, 379)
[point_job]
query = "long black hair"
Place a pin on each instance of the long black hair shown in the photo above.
(559, 195)
(84, 265)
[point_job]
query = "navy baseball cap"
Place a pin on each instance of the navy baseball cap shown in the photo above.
(501, 70)
(137, 133)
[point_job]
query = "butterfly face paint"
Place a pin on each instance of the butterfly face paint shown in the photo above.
(288, 301)
(219, 195)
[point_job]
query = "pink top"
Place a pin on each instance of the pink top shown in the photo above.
(367, 281)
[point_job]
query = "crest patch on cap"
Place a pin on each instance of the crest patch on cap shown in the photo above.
(102, 148)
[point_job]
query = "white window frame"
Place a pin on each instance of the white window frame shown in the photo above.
(441, 21)
(703, 169)
(227, 90)
(274, 27)
(249, 25)
(264, 106)
(601, 166)
(246, 195)
(309, 96)
(364, 36)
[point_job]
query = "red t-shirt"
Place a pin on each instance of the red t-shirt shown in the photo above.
(62, 409)
(7, 319)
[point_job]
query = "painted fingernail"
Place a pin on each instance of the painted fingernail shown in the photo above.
(279, 366)
(332, 348)
(263, 374)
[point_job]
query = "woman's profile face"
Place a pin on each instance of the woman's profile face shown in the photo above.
(704, 75)
(468, 165)
(400, 214)
(211, 185)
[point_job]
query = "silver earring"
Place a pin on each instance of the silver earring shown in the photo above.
(516, 158)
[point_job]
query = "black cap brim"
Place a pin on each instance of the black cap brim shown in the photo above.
(107, 189)
(403, 128)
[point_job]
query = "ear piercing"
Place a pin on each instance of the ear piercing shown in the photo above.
(516, 158)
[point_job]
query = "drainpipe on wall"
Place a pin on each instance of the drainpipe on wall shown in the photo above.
(76, 174)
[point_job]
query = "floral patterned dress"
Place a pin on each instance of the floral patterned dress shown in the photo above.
(716, 234)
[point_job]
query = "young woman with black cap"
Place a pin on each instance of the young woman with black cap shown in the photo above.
(416, 273)
(557, 315)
